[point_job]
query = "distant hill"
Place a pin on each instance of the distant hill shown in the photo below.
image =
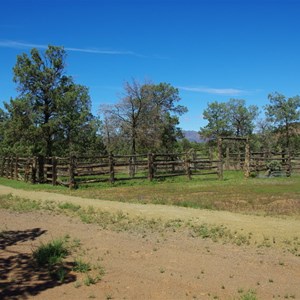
(192, 136)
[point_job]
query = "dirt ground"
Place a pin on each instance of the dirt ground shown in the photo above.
(150, 266)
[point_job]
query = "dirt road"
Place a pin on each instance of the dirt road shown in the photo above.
(152, 266)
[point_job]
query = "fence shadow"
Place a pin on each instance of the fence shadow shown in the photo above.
(19, 276)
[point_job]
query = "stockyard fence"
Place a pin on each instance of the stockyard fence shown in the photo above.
(75, 170)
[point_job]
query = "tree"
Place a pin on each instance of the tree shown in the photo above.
(228, 118)
(283, 112)
(76, 127)
(145, 118)
(160, 130)
(58, 111)
(265, 137)
(217, 116)
(241, 117)
(3, 120)
(21, 136)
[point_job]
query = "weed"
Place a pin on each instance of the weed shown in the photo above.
(77, 284)
(18, 204)
(81, 266)
(69, 206)
(89, 280)
(219, 232)
(61, 274)
(249, 295)
(50, 254)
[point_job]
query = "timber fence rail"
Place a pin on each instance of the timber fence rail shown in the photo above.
(275, 163)
(74, 170)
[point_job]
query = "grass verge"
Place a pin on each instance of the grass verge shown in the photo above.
(120, 221)
(259, 196)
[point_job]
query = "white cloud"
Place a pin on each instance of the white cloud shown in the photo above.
(20, 45)
(215, 91)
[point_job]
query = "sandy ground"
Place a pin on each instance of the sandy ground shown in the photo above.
(152, 266)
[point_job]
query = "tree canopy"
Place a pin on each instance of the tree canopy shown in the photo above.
(145, 118)
(283, 112)
(52, 114)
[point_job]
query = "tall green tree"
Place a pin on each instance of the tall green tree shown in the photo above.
(3, 120)
(241, 117)
(229, 118)
(76, 127)
(21, 133)
(283, 112)
(40, 77)
(59, 118)
(217, 116)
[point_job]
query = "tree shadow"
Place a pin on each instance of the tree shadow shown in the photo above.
(20, 277)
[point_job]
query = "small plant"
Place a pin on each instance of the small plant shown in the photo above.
(109, 297)
(249, 295)
(81, 266)
(274, 165)
(77, 284)
(61, 274)
(69, 206)
(89, 280)
(50, 254)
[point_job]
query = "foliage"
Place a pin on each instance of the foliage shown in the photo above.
(283, 112)
(52, 115)
(274, 165)
(230, 118)
(145, 119)
(50, 254)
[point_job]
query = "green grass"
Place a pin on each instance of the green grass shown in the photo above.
(267, 196)
(81, 266)
(51, 254)
(52, 257)
(18, 204)
(249, 295)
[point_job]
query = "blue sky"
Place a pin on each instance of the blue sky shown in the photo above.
(210, 50)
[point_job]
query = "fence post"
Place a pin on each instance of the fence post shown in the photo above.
(227, 163)
(111, 168)
(33, 170)
(16, 168)
(247, 159)
(150, 167)
(41, 161)
(289, 165)
(188, 166)
(54, 170)
(72, 182)
(220, 163)
(132, 166)
(2, 167)
(7, 167)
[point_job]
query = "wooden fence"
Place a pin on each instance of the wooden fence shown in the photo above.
(275, 163)
(73, 170)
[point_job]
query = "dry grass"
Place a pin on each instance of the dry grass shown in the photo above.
(270, 196)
